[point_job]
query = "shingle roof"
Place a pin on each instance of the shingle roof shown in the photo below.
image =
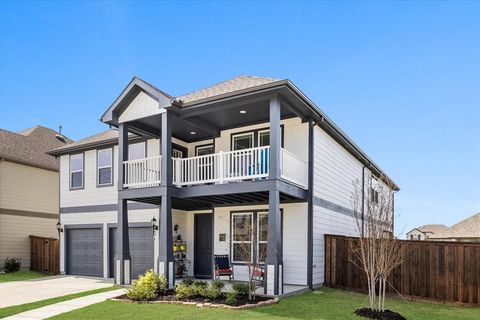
(432, 228)
(29, 146)
(468, 228)
(226, 87)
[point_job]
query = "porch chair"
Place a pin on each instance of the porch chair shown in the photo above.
(223, 267)
(258, 274)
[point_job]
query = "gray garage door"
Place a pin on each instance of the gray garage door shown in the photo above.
(85, 252)
(141, 249)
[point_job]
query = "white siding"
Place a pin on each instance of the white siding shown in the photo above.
(335, 172)
(142, 106)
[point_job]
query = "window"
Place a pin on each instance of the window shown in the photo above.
(177, 153)
(76, 171)
(136, 151)
(411, 237)
(204, 150)
(419, 237)
(263, 138)
(242, 141)
(104, 167)
(242, 237)
(262, 235)
(374, 195)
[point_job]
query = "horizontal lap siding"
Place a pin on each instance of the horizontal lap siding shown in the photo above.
(335, 171)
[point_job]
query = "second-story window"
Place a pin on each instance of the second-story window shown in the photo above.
(104, 167)
(76, 171)
(242, 141)
(136, 151)
(263, 138)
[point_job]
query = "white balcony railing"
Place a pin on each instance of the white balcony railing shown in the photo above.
(293, 168)
(222, 167)
(142, 173)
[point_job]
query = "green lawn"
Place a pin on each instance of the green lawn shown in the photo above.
(321, 304)
(8, 311)
(21, 275)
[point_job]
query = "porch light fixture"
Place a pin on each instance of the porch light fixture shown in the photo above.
(59, 227)
(243, 111)
(193, 132)
(154, 224)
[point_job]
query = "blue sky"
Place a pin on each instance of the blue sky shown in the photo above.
(401, 78)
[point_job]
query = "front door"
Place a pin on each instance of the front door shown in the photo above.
(203, 244)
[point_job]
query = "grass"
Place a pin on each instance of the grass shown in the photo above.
(21, 275)
(8, 311)
(321, 304)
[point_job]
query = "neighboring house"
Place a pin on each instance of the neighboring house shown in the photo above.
(465, 230)
(247, 165)
(425, 232)
(29, 189)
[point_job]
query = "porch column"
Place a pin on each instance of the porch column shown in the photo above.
(275, 139)
(122, 251)
(274, 260)
(166, 261)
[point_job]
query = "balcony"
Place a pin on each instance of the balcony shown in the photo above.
(218, 168)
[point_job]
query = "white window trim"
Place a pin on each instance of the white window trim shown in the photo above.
(75, 171)
(174, 151)
(258, 242)
(258, 136)
(209, 146)
(236, 241)
(104, 167)
(251, 134)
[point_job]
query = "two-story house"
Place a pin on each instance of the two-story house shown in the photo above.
(249, 167)
(28, 189)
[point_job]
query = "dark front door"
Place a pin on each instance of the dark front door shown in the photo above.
(203, 245)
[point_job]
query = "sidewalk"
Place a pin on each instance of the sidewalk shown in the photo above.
(65, 306)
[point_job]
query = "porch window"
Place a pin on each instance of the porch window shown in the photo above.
(104, 167)
(76, 171)
(204, 150)
(136, 151)
(263, 138)
(242, 141)
(242, 236)
(262, 235)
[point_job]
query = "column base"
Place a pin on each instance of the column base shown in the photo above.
(166, 269)
(274, 282)
(122, 271)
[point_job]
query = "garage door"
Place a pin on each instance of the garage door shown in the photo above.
(141, 249)
(85, 252)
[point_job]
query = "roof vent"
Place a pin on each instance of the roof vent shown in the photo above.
(59, 135)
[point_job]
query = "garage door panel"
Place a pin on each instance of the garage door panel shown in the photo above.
(85, 252)
(141, 249)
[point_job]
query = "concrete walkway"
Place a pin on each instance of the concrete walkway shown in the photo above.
(21, 292)
(65, 306)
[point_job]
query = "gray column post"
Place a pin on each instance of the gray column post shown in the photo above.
(122, 252)
(166, 261)
(274, 260)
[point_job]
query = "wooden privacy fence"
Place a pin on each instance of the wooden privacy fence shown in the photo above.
(445, 271)
(44, 255)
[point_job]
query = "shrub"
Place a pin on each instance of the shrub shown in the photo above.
(11, 265)
(200, 284)
(231, 298)
(211, 292)
(240, 288)
(147, 287)
(185, 291)
(218, 284)
(188, 281)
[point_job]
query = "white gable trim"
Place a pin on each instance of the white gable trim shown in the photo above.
(142, 106)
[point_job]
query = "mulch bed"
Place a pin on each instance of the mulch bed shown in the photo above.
(379, 315)
(242, 302)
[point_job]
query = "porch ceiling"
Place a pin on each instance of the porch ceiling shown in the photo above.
(208, 202)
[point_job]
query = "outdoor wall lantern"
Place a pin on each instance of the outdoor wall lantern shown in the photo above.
(59, 227)
(154, 224)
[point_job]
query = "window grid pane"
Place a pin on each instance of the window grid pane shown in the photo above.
(242, 237)
(243, 141)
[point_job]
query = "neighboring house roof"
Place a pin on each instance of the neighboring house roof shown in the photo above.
(29, 146)
(226, 87)
(430, 228)
(468, 228)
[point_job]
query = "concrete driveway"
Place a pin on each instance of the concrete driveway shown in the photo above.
(20, 292)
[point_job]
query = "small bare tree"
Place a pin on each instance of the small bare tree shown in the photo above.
(377, 252)
(254, 264)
